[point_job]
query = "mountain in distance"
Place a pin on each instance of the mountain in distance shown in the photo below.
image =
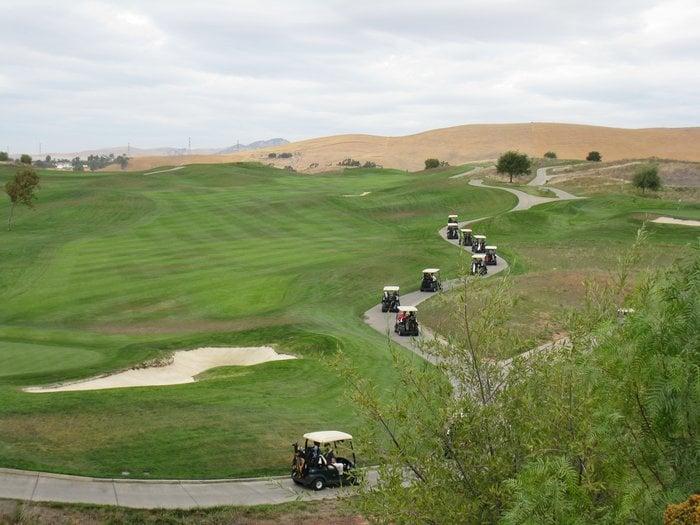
(169, 151)
(258, 144)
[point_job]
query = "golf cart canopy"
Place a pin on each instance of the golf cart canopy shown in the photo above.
(391, 288)
(478, 256)
(491, 247)
(452, 216)
(465, 230)
(480, 236)
(452, 225)
(431, 270)
(408, 309)
(327, 436)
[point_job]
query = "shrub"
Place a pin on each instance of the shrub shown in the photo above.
(431, 163)
(350, 163)
(285, 155)
(369, 164)
(594, 156)
(25, 159)
(4, 156)
(550, 155)
(647, 178)
(272, 155)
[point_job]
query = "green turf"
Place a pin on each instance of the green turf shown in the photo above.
(111, 269)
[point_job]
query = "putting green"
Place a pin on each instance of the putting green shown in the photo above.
(21, 358)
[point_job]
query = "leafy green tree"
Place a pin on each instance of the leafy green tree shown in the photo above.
(647, 178)
(431, 163)
(123, 161)
(77, 164)
(25, 159)
(550, 155)
(21, 190)
(514, 164)
(594, 156)
(4, 157)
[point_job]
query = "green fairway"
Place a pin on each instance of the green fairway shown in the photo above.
(112, 269)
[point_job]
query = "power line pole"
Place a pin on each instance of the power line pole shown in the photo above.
(189, 145)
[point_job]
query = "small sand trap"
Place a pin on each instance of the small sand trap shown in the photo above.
(359, 195)
(185, 365)
(672, 220)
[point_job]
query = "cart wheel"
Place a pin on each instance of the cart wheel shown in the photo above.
(319, 484)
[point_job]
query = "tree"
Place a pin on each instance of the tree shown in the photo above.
(123, 161)
(550, 155)
(647, 178)
(21, 190)
(431, 163)
(4, 157)
(77, 164)
(594, 156)
(25, 159)
(514, 164)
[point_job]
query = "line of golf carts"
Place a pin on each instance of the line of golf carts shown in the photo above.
(483, 255)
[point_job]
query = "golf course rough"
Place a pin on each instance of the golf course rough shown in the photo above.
(116, 269)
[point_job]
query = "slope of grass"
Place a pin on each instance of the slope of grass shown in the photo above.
(112, 269)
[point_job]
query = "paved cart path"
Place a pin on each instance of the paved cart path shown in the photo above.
(185, 494)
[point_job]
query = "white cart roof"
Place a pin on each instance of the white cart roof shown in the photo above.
(452, 225)
(465, 230)
(478, 256)
(408, 309)
(327, 436)
(391, 288)
(491, 247)
(452, 215)
(431, 270)
(480, 236)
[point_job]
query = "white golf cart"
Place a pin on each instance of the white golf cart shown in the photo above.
(466, 234)
(319, 463)
(390, 299)
(406, 321)
(452, 218)
(490, 259)
(479, 243)
(452, 230)
(431, 280)
(478, 266)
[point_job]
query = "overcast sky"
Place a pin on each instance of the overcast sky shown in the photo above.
(78, 75)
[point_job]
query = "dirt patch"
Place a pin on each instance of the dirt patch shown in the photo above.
(183, 368)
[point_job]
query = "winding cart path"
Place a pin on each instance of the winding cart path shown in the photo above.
(185, 494)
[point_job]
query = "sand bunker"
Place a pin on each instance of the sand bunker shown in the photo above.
(183, 368)
(359, 194)
(672, 220)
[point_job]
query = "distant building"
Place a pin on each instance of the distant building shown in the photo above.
(64, 165)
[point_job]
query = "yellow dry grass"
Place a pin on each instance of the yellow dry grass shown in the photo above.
(461, 144)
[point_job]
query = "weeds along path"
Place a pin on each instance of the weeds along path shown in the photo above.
(185, 494)
(384, 322)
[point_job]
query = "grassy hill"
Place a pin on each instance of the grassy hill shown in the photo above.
(112, 269)
(461, 144)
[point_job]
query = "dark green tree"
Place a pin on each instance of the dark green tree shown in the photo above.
(431, 163)
(550, 155)
(594, 156)
(21, 190)
(4, 157)
(514, 164)
(647, 178)
(25, 159)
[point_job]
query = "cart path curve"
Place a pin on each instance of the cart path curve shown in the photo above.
(383, 322)
(187, 494)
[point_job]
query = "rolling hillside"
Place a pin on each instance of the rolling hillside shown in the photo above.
(461, 144)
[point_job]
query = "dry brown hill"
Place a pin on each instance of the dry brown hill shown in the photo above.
(461, 144)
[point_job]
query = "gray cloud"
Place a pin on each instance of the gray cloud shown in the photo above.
(90, 74)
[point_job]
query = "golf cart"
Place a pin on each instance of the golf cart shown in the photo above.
(316, 468)
(478, 266)
(406, 322)
(490, 259)
(452, 230)
(452, 218)
(390, 299)
(479, 243)
(431, 280)
(466, 237)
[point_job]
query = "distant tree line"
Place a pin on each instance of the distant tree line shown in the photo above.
(284, 155)
(435, 163)
(352, 163)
